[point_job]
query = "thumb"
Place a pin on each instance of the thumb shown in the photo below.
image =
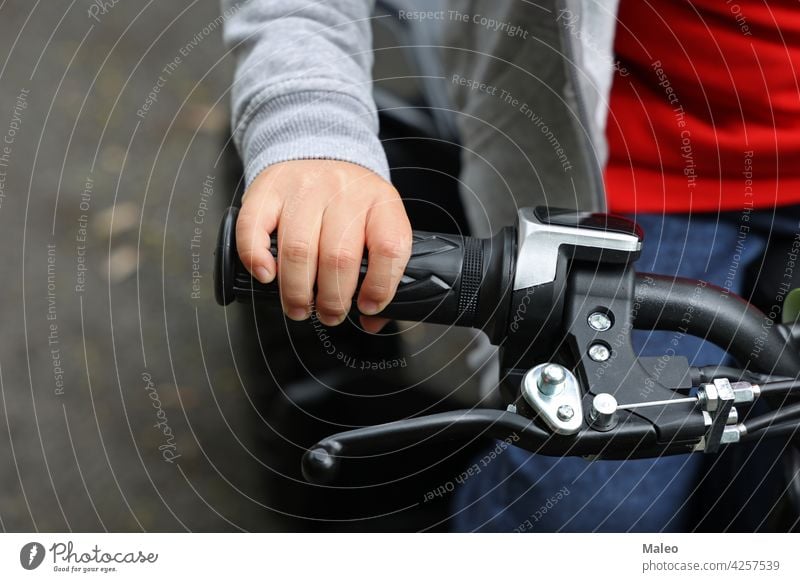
(258, 218)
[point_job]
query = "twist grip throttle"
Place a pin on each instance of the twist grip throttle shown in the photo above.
(449, 279)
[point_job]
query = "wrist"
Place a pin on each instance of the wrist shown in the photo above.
(308, 125)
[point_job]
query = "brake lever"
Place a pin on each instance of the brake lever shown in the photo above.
(611, 431)
(321, 463)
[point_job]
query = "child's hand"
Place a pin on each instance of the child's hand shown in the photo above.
(325, 213)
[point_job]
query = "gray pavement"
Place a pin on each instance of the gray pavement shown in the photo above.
(122, 407)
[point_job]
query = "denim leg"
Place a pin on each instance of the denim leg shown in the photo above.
(537, 493)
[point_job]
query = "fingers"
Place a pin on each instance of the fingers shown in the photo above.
(298, 250)
(388, 239)
(324, 213)
(341, 247)
(258, 218)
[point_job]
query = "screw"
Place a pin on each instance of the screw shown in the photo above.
(599, 352)
(599, 321)
(565, 412)
(551, 379)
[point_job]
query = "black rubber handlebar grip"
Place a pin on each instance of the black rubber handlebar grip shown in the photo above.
(445, 280)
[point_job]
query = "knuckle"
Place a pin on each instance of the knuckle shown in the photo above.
(248, 255)
(378, 291)
(245, 225)
(340, 260)
(392, 247)
(297, 251)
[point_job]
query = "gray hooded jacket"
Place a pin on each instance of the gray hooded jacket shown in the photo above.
(529, 82)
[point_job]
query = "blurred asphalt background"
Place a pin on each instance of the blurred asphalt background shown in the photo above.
(86, 457)
(110, 360)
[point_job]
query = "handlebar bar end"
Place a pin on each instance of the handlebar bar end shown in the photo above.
(224, 258)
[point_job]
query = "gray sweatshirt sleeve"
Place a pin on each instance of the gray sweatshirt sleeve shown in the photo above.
(303, 84)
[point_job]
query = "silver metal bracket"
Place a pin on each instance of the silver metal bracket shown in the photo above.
(717, 400)
(558, 405)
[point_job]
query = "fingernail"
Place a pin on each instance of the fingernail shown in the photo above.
(263, 275)
(368, 307)
(297, 314)
(330, 321)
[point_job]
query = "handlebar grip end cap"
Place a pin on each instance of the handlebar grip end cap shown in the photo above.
(319, 466)
(224, 258)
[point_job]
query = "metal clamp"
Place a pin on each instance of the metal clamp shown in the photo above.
(554, 394)
(717, 400)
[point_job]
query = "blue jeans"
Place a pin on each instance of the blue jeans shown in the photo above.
(523, 491)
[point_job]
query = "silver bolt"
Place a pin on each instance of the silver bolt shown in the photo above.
(599, 352)
(565, 412)
(730, 435)
(599, 321)
(551, 379)
(553, 374)
(604, 411)
(744, 392)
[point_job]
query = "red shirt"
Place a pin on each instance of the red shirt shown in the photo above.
(705, 106)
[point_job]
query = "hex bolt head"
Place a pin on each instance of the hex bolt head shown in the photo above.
(565, 412)
(730, 435)
(599, 321)
(551, 379)
(708, 395)
(599, 352)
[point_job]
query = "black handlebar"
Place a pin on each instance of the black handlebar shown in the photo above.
(449, 279)
(469, 282)
(714, 314)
